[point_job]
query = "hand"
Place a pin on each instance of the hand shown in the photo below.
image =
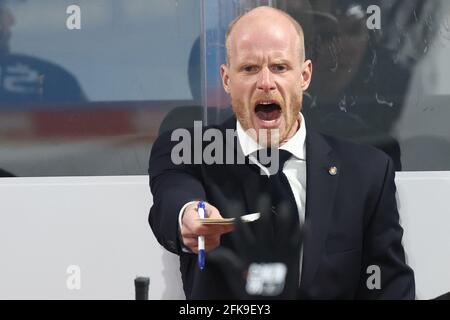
(191, 228)
(265, 262)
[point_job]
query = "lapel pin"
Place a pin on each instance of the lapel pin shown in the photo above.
(333, 171)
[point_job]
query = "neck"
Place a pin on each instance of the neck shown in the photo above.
(292, 131)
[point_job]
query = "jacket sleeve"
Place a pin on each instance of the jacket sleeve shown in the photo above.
(383, 253)
(172, 186)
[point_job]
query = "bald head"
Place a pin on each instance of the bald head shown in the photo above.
(266, 16)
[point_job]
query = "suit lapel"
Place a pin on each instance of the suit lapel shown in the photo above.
(321, 188)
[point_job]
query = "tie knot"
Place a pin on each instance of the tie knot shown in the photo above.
(267, 157)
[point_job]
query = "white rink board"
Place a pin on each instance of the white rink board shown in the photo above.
(100, 224)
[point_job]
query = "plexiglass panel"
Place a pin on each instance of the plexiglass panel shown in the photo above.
(85, 90)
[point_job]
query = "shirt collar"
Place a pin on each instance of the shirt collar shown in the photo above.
(295, 145)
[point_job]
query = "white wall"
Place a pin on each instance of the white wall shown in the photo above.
(97, 223)
(425, 216)
(100, 224)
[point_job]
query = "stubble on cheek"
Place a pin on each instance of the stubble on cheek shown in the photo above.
(243, 114)
(290, 118)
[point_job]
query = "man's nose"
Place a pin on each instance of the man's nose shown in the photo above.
(266, 81)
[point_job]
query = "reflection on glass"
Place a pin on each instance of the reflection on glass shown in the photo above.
(28, 79)
(362, 76)
(90, 101)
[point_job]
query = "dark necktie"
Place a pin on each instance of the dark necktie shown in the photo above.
(283, 201)
(282, 197)
(280, 188)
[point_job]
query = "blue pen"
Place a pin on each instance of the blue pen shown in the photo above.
(201, 239)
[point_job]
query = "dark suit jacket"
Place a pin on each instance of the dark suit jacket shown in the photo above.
(352, 220)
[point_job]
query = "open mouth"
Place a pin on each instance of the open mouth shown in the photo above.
(268, 111)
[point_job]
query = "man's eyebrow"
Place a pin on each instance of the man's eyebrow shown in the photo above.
(253, 60)
(280, 61)
(247, 61)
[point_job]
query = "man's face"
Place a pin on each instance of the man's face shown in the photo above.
(265, 77)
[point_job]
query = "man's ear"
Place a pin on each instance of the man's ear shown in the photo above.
(225, 78)
(307, 70)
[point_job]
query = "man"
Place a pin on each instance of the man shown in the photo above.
(344, 193)
(27, 79)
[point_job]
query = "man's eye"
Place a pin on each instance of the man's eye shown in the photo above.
(279, 68)
(250, 69)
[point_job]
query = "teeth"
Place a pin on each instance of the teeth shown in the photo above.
(265, 102)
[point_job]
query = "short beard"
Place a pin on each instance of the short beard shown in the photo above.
(272, 137)
(296, 107)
